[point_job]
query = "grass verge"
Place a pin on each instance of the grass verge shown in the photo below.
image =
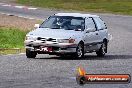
(11, 38)
(12, 51)
(108, 6)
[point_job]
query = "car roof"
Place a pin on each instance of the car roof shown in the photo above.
(76, 15)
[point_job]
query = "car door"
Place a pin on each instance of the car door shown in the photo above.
(91, 35)
(101, 27)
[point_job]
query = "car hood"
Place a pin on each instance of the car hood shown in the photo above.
(54, 33)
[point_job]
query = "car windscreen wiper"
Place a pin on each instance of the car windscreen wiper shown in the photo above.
(43, 27)
(69, 29)
(55, 28)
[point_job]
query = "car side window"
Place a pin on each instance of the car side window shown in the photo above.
(90, 24)
(100, 23)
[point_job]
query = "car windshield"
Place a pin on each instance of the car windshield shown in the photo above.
(64, 22)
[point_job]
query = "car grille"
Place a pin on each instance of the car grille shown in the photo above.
(46, 39)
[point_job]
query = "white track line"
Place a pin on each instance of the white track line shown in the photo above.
(18, 16)
(20, 7)
(26, 17)
(7, 5)
(32, 8)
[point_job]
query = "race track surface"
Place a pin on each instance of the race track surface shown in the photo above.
(16, 71)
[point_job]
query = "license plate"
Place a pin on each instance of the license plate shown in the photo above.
(46, 49)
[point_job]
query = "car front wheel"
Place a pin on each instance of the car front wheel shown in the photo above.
(30, 54)
(80, 51)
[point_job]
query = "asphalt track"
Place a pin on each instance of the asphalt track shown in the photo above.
(16, 71)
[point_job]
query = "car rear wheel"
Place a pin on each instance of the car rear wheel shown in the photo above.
(30, 54)
(102, 50)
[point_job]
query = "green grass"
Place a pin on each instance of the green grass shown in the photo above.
(108, 6)
(12, 38)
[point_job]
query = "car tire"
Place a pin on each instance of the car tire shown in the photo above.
(30, 54)
(102, 50)
(79, 51)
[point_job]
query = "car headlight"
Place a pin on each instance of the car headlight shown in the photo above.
(66, 40)
(63, 40)
(30, 38)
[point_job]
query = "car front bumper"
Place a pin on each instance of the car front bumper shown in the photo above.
(57, 48)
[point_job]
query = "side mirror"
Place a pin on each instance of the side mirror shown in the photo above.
(36, 26)
(90, 30)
